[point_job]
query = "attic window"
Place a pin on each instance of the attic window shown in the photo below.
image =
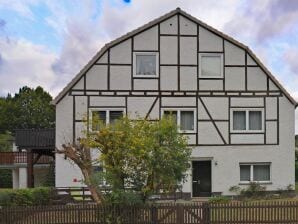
(210, 65)
(145, 64)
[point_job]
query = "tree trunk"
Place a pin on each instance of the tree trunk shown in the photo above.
(96, 196)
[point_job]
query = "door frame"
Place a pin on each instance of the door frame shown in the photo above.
(201, 159)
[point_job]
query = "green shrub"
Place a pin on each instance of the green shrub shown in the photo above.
(19, 197)
(254, 190)
(219, 199)
(124, 198)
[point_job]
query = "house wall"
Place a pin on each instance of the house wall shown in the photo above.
(178, 41)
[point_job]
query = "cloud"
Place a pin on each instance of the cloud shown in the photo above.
(21, 7)
(2, 23)
(23, 63)
(290, 57)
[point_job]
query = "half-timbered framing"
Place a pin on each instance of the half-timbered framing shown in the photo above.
(179, 41)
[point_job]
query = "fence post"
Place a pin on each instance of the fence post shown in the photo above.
(206, 213)
(180, 214)
(154, 214)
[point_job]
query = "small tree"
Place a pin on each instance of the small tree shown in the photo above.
(143, 154)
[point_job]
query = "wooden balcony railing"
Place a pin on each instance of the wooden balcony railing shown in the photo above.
(9, 158)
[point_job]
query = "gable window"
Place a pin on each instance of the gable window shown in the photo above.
(103, 117)
(145, 64)
(259, 172)
(185, 119)
(247, 120)
(210, 65)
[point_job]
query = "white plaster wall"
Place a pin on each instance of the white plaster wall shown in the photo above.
(120, 77)
(107, 101)
(96, 77)
(234, 78)
(169, 26)
(103, 58)
(79, 84)
(247, 102)
(188, 50)
(209, 41)
(250, 61)
(247, 138)
(272, 86)
(271, 132)
(271, 108)
(145, 84)
(202, 114)
(210, 84)
(234, 55)
(168, 78)
(138, 107)
(81, 107)
(187, 27)
(256, 79)
(188, 78)
(207, 132)
(178, 101)
(65, 170)
(147, 40)
(223, 127)
(23, 177)
(227, 172)
(168, 50)
(15, 178)
(81, 130)
(121, 53)
(191, 139)
(214, 103)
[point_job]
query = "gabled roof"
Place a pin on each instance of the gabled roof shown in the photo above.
(155, 22)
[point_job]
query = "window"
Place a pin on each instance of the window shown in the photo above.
(185, 119)
(210, 65)
(247, 120)
(146, 64)
(104, 117)
(255, 172)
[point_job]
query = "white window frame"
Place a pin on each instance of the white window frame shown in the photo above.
(211, 55)
(247, 130)
(178, 110)
(107, 110)
(135, 54)
(252, 173)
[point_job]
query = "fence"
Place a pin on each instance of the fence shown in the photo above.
(202, 213)
(9, 158)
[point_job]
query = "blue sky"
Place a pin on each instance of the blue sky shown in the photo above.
(46, 42)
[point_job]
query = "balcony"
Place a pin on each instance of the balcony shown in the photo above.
(21, 158)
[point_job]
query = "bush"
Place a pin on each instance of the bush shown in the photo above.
(220, 199)
(296, 171)
(19, 197)
(122, 197)
(254, 190)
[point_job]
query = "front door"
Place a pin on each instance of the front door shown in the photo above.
(201, 178)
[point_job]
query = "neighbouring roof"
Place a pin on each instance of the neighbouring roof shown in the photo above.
(153, 23)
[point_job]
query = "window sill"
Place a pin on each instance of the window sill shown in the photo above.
(211, 77)
(257, 182)
(145, 76)
(247, 132)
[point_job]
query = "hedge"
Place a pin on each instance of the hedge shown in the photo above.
(30, 196)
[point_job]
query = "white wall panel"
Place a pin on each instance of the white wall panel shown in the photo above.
(247, 102)
(145, 84)
(256, 79)
(271, 132)
(210, 84)
(188, 50)
(188, 78)
(234, 78)
(209, 41)
(187, 27)
(96, 77)
(207, 133)
(214, 103)
(271, 108)
(121, 53)
(81, 107)
(178, 101)
(138, 107)
(234, 55)
(168, 78)
(247, 138)
(168, 50)
(120, 77)
(147, 40)
(106, 101)
(169, 26)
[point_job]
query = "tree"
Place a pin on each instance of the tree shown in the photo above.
(29, 108)
(143, 154)
(80, 154)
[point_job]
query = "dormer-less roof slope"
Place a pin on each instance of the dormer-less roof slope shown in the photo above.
(153, 23)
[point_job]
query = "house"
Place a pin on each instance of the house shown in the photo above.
(237, 116)
(32, 158)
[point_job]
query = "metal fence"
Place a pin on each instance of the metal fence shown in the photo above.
(204, 213)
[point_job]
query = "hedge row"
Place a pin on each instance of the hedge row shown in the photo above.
(30, 196)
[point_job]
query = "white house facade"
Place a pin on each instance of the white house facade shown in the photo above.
(238, 118)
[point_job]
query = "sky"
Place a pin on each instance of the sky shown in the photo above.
(46, 42)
